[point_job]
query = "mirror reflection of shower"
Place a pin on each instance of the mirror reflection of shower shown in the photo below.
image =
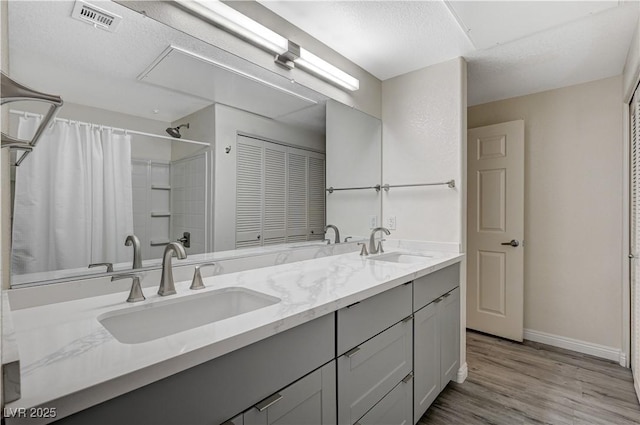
(175, 131)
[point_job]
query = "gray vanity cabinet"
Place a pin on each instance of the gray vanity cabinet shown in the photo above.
(437, 347)
(311, 400)
(378, 333)
(449, 322)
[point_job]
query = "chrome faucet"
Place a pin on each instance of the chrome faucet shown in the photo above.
(135, 294)
(373, 249)
(137, 250)
(335, 229)
(166, 281)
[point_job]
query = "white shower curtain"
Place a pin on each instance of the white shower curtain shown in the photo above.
(73, 201)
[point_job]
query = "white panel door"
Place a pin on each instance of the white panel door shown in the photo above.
(249, 191)
(495, 223)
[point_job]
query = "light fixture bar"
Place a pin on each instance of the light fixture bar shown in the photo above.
(312, 63)
(237, 23)
(287, 53)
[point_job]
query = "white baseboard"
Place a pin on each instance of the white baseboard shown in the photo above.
(623, 359)
(597, 350)
(463, 372)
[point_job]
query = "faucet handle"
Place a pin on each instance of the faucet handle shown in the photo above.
(347, 238)
(136, 293)
(109, 266)
(380, 250)
(363, 251)
(328, 241)
(197, 283)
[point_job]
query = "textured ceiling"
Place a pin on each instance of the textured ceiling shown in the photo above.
(513, 47)
(52, 52)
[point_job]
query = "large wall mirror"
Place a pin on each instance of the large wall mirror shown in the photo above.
(247, 170)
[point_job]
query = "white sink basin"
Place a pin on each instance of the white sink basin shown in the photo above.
(156, 320)
(400, 257)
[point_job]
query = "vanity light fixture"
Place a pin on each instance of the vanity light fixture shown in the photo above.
(237, 23)
(288, 54)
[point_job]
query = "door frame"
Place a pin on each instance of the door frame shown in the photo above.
(625, 263)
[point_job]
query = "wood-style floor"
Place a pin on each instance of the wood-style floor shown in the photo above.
(511, 383)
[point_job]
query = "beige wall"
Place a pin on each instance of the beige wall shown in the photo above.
(573, 207)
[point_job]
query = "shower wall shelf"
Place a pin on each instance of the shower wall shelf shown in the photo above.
(12, 91)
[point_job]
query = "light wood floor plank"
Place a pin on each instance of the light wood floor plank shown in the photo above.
(524, 384)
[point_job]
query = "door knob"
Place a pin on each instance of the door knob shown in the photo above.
(513, 243)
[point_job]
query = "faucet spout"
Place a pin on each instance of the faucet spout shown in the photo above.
(167, 286)
(137, 250)
(335, 229)
(373, 249)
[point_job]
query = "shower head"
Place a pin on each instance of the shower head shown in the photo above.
(175, 131)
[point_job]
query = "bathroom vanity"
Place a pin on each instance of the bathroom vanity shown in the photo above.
(341, 339)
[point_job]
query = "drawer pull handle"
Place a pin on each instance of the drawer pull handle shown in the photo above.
(268, 402)
(406, 319)
(351, 352)
(439, 299)
(353, 305)
(408, 378)
(448, 294)
(408, 283)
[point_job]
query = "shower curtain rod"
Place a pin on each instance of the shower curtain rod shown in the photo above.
(124, 130)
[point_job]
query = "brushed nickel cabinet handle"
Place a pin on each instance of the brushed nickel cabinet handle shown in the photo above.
(352, 352)
(408, 378)
(268, 402)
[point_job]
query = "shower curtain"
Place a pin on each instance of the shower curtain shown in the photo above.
(73, 198)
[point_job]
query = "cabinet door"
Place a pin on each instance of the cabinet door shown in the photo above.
(297, 193)
(369, 371)
(309, 401)
(396, 408)
(449, 319)
(249, 192)
(427, 358)
(317, 195)
(275, 194)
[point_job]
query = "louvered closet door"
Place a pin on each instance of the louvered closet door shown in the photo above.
(635, 239)
(297, 224)
(249, 192)
(275, 194)
(316, 198)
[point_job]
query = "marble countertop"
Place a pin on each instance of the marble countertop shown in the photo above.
(71, 362)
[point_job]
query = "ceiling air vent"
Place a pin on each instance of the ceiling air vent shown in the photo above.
(95, 16)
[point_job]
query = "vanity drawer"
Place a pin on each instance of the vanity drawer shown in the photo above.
(369, 371)
(434, 285)
(396, 408)
(361, 321)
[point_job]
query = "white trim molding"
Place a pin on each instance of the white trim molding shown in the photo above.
(597, 350)
(463, 372)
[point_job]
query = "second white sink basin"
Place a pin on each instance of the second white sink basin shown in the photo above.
(401, 257)
(156, 320)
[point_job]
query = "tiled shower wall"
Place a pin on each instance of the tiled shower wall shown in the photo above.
(188, 201)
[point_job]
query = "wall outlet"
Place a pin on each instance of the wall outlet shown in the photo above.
(373, 221)
(390, 222)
